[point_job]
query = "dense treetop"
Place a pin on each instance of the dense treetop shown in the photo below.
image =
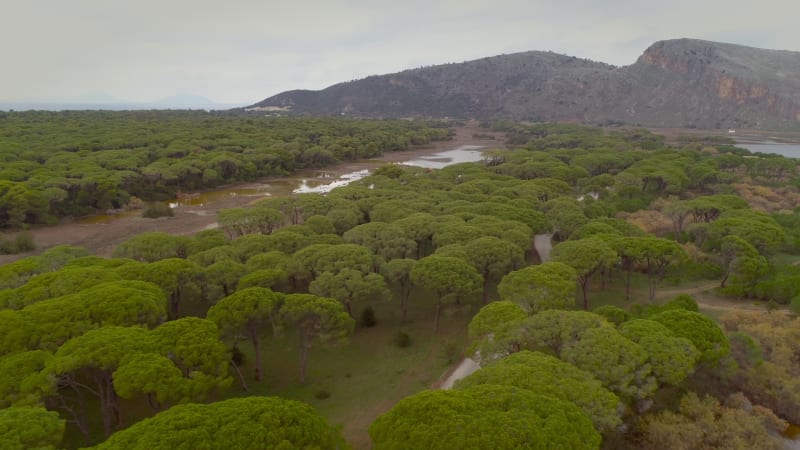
(254, 422)
(169, 319)
(73, 163)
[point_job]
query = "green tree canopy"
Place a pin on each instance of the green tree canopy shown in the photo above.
(619, 363)
(385, 240)
(251, 311)
(496, 318)
(153, 246)
(349, 286)
(398, 271)
(536, 288)
(316, 319)
(703, 332)
(484, 417)
(252, 422)
(15, 370)
(546, 375)
(586, 256)
(445, 276)
(493, 258)
(26, 427)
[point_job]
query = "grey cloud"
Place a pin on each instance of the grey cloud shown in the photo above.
(245, 50)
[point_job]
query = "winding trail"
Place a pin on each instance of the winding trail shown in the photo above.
(543, 243)
(467, 367)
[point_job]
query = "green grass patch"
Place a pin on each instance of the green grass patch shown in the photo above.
(366, 376)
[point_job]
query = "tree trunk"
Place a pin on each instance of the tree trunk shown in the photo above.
(349, 309)
(303, 360)
(241, 377)
(105, 409)
(628, 285)
(436, 323)
(174, 300)
(584, 282)
(257, 349)
(114, 404)
(403, 302)
(652, 286)
(154, 405)
(78, 414)
(303, 355)
(724, 279)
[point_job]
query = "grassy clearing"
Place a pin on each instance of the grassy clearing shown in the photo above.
(367, 375)
(704, 292)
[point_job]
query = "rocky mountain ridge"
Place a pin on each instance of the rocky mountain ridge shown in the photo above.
(674, 83)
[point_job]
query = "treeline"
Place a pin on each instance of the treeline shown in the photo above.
(74, 163)
(166, 320)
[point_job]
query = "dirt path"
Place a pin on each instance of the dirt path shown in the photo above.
(467, 367)
(702, 293)
(102, 238)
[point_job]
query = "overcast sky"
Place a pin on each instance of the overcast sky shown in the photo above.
(242, 51)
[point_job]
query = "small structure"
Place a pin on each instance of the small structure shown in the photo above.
(731, 131)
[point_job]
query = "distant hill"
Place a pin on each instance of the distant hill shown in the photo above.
(107, 102)
(674, 83)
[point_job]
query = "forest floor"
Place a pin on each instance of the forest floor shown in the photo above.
(100, 235)
(369, 374)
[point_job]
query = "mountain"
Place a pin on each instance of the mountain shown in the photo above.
(674, 83)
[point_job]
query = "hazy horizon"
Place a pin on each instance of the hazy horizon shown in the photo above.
(243, 51)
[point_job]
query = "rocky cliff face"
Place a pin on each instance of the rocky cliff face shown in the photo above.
(674, 83)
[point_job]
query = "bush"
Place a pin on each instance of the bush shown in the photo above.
(157, 209)
(367, 319)
(402, 340)
(7, 247)
(692, 271)
(23, 242)
(681, 301)
(794, 306)
(322, 394)
(613, 314)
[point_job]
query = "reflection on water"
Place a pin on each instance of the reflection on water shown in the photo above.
(201, 199)
(319, 182)
(324, 188)
(465, 153)
(103, 218)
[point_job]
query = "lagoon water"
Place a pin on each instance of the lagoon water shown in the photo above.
(788, 150)
(463, 154)
(306, 181)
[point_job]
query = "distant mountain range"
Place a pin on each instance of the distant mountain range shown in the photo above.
(674, 83)
(106, 102)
